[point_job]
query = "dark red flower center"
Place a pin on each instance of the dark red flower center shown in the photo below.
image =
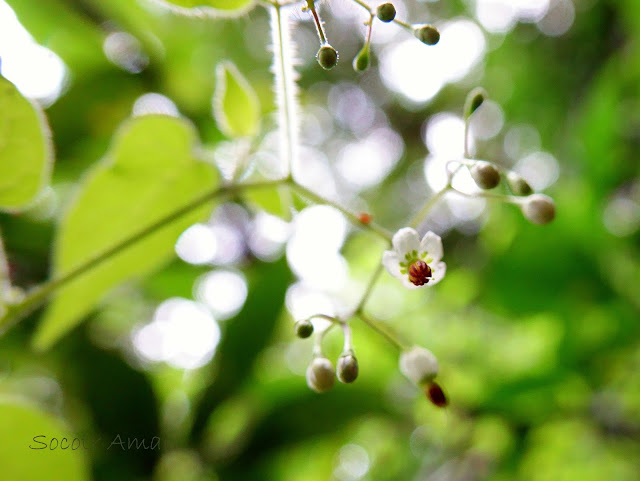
(419, 273)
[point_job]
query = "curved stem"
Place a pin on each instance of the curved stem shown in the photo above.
(34, 299)
(383, 331)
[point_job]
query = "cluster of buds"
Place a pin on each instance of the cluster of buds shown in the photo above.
(321, 374)
(537, 208)
(327, 55)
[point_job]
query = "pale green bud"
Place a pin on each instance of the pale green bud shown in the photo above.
(427, 34)
(327, 57)
(386, 12)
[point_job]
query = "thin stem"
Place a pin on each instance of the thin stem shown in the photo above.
(285, 86)
(369, 289)
(346, 332)
(40, 294)
(372, 226)
(383, 331)
(316, 18)
(467, 153)
(490, 195)
(422, 213)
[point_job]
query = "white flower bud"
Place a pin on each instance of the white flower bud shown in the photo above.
(539, 209)
(419, 365)
(320, 375)
(485, 174)
(347, 368)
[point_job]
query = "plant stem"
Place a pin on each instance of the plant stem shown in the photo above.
(383, 331)
(422, 213)
(285, 86)
(34, 299)
(372, 226)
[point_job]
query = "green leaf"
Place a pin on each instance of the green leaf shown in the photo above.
(227, 8)
(27, 459)
(25, 149)
(150, 171)
(274, 200)
(235, 104)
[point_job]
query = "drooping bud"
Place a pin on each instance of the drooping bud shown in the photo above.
(474, 100)
(361, 61)
(485, 174)
(386, 12)
(327, 57)
(303, 329)
(436, 395)
(518, 185)
(419, 365)
(539, 209)
(347, 367)
(321, 375)
(427, 34)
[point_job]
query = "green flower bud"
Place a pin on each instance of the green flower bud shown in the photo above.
(474, 100)
(327, 57)
(427, 34)
(361, 61)
(347, 368)
(386, 12)
(320, 375)
(518, 185)
(485, 174)
(303, 329)
(539, 209)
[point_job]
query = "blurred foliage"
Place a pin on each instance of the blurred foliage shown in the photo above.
(536, 329)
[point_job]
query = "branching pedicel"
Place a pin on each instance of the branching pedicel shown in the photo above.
(415, 262)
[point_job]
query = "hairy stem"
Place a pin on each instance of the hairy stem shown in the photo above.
(285, 85)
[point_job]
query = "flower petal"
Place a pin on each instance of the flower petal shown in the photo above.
(432, 244)
(438, 271)
(391, 262)
(405, 241)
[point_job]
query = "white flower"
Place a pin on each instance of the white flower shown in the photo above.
(419, 365)
(416, 263)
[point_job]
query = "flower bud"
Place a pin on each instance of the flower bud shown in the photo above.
(518, 185)
(539, 209)
(474, 100)
(386, 12)
(361, 61)
(485, 174)
(320, 375)
(347, 368)
(436, 395)
(327, 57)
(427, 34)
(419, 365)
(303, 329)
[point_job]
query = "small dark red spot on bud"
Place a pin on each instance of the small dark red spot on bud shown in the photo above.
(436, 395)
(419, 273)
(364, 218)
